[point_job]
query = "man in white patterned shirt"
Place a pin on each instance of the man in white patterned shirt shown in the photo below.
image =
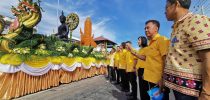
(187, 68)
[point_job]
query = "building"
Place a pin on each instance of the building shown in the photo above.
(102, 40)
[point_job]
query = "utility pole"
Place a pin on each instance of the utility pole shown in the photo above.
(57, 13)
(202, 10)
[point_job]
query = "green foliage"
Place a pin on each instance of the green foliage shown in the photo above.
(41, 52)
(50, 42)
(27, 43)
(45, 46)
(2, 53)
(25, 57)
(98, 55)
(70, 47)
(38, 37)
(26, 34)
(60, 44)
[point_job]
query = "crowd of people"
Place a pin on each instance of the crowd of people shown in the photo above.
(181, 64)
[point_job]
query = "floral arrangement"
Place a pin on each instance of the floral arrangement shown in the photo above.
(70, 51)
(42, 46)
(70, 55)
(21, 50)
(60, 48)
(51, 46)
(42, 52)
(75, 50)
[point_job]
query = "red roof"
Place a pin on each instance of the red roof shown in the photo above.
(101, 38)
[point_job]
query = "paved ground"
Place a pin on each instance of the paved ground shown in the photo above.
(96, 88)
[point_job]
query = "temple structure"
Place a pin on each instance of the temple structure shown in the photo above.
(87, 37)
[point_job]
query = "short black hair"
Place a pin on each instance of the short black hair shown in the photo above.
(129, 42)
(184, 3)
(123, 45)
(143, 41)
(157, 23)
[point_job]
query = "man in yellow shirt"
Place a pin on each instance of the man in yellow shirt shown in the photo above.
(122, 68)
(131, 72)
(155, 55)
(111, 65)
(116, 65)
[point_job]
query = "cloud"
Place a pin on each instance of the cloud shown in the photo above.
(100, 29)
(50, 21)
(79, 3)
(5, 6)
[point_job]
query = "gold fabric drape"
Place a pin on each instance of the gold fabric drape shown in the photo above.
(13, 85)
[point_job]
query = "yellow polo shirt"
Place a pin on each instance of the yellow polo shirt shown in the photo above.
(108, 60)
(116, 59)
(158, 47)
(111, 60)
(122, 59)
(141, 63)
(130, 62)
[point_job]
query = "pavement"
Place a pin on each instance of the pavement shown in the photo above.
(95, 88)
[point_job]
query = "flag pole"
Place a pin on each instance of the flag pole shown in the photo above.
(58, 11)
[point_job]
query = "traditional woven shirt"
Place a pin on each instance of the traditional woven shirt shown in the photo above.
(183, 66)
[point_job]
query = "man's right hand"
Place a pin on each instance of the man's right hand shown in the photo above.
(161, 86)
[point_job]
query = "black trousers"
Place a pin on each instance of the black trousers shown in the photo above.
(112, 73)
(142, 85)
(181, 96)
(117, 74)
(132, 81)
(149, 85)
(124, 80)
(127, 86)
(108, 72)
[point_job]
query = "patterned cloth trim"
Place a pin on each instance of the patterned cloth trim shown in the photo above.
(202, 44)
(181, 89)
(186, 86)
(183, 74)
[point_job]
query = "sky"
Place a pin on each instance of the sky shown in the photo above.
(117, 20)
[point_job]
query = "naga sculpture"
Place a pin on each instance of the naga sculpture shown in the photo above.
(2, 23)
(86, 37)
(28, 14)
